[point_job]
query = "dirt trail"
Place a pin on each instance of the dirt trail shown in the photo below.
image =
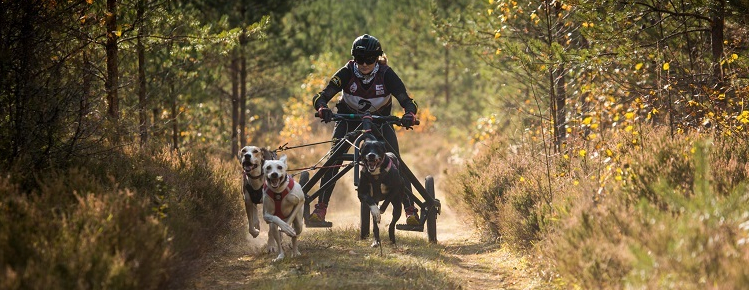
(475, 264)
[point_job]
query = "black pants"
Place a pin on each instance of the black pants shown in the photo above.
(343, 127)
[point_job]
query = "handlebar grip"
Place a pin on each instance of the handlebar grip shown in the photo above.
(317, 115)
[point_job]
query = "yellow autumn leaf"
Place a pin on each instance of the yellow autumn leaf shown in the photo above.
(587, 120)
(666, 66)
(734, 56)
(90, 1)
(582, 152)
(497, 35)
(489, 11)
(629, 115)
(638, 66)
(594, 126)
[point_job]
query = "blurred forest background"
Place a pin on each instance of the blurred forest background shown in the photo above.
(583, 120)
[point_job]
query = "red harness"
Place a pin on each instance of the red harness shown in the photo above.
(279, 196)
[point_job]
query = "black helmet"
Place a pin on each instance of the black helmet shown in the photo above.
(366, 45)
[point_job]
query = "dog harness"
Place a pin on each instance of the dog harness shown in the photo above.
(391, 162)
(256, 195)
(279, 196)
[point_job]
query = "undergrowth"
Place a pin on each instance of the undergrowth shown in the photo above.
(660, 213)
(137, 219)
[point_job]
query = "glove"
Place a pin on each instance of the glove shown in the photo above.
(325, 114)
(408, 120)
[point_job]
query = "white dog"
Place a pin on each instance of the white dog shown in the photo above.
(282, 205)
(252, 159)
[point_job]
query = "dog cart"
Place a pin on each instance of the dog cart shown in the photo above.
(370, 124)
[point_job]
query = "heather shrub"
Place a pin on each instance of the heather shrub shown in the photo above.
(674, 219)
(100, 238)
(137, 219)
(507, 192)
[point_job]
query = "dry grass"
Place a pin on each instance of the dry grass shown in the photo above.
(337, 259)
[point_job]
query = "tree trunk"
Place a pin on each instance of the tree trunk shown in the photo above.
(173, 103)
(112, 81)
(447, 75)
(142, 101)
(560, 120)
(242, 93)
(234, 71)
(26, 47)
(175, 112)
(716, 35)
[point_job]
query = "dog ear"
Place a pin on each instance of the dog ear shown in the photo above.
(369, 137)
(267, 154)
(241, 153)
(283, 158)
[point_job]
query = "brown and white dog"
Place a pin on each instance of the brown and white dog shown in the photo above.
(252, 158)
(283, 201)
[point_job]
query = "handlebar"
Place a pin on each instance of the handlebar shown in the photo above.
(377, 119)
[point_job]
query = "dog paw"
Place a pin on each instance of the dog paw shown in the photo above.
(279, 258)
(271, 249)
(375, 244)
(296, 254)
(254, 232)
(376, 216)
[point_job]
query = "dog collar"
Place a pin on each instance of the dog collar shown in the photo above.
(253, 177)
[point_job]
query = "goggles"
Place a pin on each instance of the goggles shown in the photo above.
(366, 59)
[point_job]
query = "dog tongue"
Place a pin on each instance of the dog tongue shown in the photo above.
(275, 182)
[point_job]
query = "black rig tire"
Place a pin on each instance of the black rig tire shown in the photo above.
(303, 178)
(432, 212)
(365, 217)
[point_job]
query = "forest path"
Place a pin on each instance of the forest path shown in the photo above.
(336, 258)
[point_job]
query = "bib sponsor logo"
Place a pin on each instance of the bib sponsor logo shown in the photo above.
(380, 89)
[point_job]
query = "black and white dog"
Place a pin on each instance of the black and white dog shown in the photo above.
(380, 181)
(252, 159)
